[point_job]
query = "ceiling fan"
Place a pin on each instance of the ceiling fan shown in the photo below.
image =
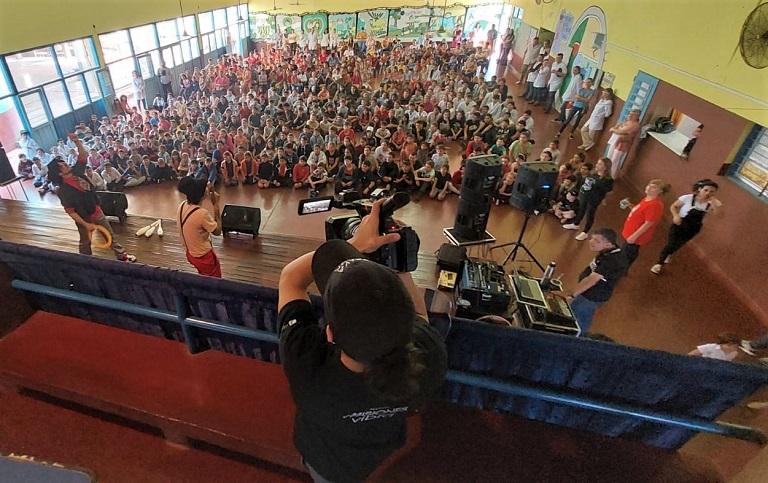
(753, 41)
(274, 8)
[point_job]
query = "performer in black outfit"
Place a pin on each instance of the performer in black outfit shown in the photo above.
(377, 359)
(78, 197)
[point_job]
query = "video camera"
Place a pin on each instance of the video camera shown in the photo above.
(401, 256)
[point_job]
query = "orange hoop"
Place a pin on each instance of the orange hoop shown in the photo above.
(105, 235)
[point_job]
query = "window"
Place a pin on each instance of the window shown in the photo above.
(76, 56)
(76, 91)
(121, 73)
(232, 15)
(243, 29)
(167, 32)
(221, 38)
(33, 106)
(195, 48)
(115, 45)
(92, 81)
(244, 11)
(32, 68)
(186, 51)
(177, 54)
(57, 99)
(187, 26)
(5, 89)
(168, 57)
(145, 66)
(143, 38)
(220, 18)
(753, 167)
(206, 22)
(206, 44)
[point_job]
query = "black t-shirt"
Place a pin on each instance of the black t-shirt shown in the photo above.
(342, 430)
(611, 265)
(441, 179)
(594, 188)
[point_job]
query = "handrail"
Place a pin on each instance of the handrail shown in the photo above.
(554, 395)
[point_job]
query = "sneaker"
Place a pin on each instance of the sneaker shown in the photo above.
(571, 226)
(570, 136)
(125, 257)
(746, 347)
(668, 259)
(582, 236)
(588, 147)
(758, 405)
(656, 269)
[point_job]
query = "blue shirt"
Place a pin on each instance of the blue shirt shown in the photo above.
(585, 93)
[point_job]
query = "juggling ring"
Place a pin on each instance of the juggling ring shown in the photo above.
(105, 235)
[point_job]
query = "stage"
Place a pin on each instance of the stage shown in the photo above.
(243, 258)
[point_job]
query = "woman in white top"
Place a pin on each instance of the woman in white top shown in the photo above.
(602, 111)
(138, 90)
(687, 218)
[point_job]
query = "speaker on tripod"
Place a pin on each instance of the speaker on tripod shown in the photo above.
(481, 176)
(533, 186)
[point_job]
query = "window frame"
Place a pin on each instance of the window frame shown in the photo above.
(756, 139)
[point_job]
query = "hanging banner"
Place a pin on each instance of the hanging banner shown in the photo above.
(343, 24)
(562, 34)
(318, 21)
(262, 26)
(373, 21)
(288, 24)
(445, 21)
(409, 23)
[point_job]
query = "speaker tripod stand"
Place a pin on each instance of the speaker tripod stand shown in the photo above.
(519, 245)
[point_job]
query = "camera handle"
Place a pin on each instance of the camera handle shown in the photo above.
(392, 204)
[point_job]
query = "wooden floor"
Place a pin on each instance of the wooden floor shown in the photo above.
(243, 258)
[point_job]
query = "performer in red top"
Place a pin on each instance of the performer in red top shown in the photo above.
(78, 196)
(643, 219)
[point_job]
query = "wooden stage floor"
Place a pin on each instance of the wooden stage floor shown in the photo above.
(243, 258)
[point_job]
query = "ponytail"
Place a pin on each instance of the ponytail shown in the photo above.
(395, 376)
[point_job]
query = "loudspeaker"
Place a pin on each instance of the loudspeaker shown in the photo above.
(533, 186)
(481, 176)
(450, 257)
(240, 219)
(113, 204)
(6, 170)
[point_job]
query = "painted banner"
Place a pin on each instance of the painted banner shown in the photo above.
(445, 20)
(409, 23)
(317, 20)
(373, 21)
(262, 26)
(288, 24)
(343, 24)
(562, 35)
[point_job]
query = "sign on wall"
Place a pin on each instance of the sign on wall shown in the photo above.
(445, 21)
(343, 24)
(318, 21)
(562, 35)
(288, 24)
(373, 21)
(409, 23)
(262, 26)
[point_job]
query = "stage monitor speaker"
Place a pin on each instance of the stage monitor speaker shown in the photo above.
(240, 219)
(113, 204)
(6, 170)
(481, 176)
(533, 186)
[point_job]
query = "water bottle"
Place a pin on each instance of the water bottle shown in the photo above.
(546, 280)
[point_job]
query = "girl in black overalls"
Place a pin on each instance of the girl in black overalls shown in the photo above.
(684, 228)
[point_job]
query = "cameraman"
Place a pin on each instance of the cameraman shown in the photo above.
(378, 358)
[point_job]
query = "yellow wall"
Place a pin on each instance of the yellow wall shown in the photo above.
(687, 43)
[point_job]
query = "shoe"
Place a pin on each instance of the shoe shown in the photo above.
(582, 236)
(758, 405)
(125, 257)
(656, 269)
(746, 347)
(570, 137)
(668, 259)
(588, 147)
(571, 226)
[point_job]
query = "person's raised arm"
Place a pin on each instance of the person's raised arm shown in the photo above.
(674, 208)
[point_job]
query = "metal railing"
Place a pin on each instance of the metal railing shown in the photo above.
(511, 388)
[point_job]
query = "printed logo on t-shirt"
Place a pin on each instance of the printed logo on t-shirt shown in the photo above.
(375, 413)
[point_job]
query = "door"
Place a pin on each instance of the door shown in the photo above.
(151, 81)
(640, 94)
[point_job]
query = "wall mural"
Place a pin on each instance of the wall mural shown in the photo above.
(317, 20)
(409, 23)
(373, 21)
(343, 24)
(445, 21)
(288, 23)
(262, 26)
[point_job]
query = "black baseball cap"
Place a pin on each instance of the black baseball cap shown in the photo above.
(366, 304)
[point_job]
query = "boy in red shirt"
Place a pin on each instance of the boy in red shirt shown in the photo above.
(643, 219)
(301, 174)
